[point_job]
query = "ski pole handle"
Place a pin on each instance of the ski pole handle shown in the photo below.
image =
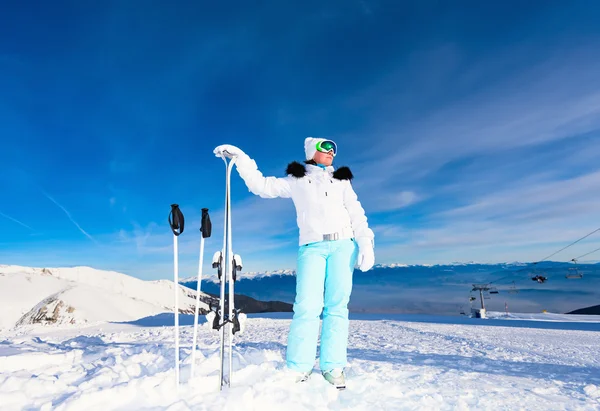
(206, 225)
(176, 220)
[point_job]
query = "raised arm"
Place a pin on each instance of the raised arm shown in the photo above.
(265, 187)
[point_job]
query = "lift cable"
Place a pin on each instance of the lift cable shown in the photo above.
(573, 243)
(591, 252)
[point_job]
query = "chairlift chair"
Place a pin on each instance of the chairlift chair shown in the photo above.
(471, 298)
(538, 275)
(573, 272)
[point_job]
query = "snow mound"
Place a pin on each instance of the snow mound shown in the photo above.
(592, 391)
(83, 295)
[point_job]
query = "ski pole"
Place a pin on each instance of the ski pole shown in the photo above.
(205, 228)
(176, 221)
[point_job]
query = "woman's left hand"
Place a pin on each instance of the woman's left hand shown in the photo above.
(366, 254)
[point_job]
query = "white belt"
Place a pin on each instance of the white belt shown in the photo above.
(337, 236)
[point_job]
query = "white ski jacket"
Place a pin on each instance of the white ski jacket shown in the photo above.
(326, 204)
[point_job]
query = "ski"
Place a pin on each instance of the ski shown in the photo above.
(228, 265)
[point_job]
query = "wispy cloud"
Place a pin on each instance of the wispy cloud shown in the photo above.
(264, 234)
(381, 200)
(504, 170)
(546, 103)
(524, 221)
(16, 221)
(561, 198)
(70, 217)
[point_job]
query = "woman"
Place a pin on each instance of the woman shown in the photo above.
(334, 236)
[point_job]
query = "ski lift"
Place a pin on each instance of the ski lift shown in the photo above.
(494, 290)
(513, 289)
(573, 272)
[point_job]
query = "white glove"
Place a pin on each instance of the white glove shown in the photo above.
(366, 254)
(227, 150)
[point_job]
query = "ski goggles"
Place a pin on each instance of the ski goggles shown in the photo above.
(326, 146)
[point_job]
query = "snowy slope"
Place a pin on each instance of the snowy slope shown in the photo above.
(393, 365)
(83, 295)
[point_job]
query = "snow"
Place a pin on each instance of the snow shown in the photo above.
(82, 295)
(546, 317)
(110, 345)
(400, 362)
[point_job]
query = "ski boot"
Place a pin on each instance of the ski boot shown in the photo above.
(336, 378)
(297, 376)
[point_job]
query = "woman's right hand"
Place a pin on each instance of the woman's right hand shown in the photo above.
(227, 150)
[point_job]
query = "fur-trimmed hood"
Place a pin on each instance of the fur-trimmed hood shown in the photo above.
(298, 170)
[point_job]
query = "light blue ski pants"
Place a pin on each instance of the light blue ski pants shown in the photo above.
(323, 283)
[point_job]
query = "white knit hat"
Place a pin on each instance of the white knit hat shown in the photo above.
(310, 146)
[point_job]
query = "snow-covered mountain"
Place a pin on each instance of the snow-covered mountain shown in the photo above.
(212, 277)
(82, 295)
(392, 265)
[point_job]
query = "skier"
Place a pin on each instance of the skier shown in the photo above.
(334, 237)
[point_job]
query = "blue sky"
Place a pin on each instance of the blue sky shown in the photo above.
(473, 131)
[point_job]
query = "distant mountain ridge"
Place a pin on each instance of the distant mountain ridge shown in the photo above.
(440, 289)
(212, 276)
